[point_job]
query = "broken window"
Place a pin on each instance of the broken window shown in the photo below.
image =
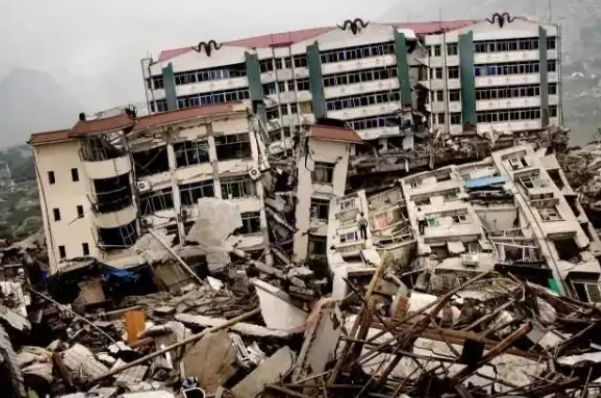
(152, 161)
(567, 250)
(460, 219)
(549, 214)
(251, 223)
(57, 214)
(152, 202)
(320, 208)
(346, 203)
(190, 193)
(474, 247)
(98, 149)
(237, 187)
(318, 245)
(323, 173)
(518, 162)
(113, 194)
(62, 253)
(587, 291)
(422, 201)
(234, 146)
(118, 238)
(556, 178)
(189, 153)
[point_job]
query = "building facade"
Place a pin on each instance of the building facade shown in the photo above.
(104, 182)
(381, 79)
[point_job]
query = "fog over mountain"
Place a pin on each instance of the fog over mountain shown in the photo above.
(74, 56)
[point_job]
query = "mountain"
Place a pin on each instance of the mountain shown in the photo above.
(580, 23)
(32, 101)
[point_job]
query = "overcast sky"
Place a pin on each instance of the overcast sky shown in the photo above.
(87, 37)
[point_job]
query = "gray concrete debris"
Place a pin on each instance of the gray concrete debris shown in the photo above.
(7, 351)
(269, 371)
(211, 360)
(245, 329)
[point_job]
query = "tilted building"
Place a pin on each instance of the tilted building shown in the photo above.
(392, 83)
(105, 181)
(512, 212)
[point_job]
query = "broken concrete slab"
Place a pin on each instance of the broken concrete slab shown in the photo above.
(211, 360)
(269, 371)
(277, 309)
(246, 329)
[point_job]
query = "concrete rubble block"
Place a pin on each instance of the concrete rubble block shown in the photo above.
(246, 329)
(163, 310)
(36, 364)
(269, 371)
(211, 360)
(80, 361)
(277, 309)
(131, 377)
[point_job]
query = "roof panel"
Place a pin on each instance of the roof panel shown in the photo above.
(330, 133)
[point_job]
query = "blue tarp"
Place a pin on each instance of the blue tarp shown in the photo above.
(485, 181)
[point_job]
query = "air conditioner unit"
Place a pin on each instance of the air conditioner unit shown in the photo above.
(470, 260)
(144, 186)
(254, 173)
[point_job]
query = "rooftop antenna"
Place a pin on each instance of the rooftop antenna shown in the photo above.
(550, 2)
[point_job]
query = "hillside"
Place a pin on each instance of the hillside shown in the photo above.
(32, 101)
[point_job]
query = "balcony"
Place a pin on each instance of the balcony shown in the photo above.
(103, 159)
(211, 85)
(116, 219)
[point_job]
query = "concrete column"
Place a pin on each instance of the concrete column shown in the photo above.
(543, 60)
(316, 81)
(169, 86)
(400, 49)
(468, 78)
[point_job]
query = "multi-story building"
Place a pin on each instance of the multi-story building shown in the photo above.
(104, 181)
(513, 212)
(500, 75)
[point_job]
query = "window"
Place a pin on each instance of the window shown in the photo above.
(452, 49)
(437, 50)
(51, 179)
(156, 201)
(273, 113)
(362, 100)
(293, 109)
(189, 153)
(552, 66)
(284, 109)
(234, 146)
(347, 203)
(587, 291)
(518, 162)
(318, 245)
(251, 224)
(552, 88)
(438, 73)
(474, 247)
(275, 135)
(190, 193)
(439, 96)
(348, 237)
(451, 196)
(323, 173)
(441, 118)
(85, 248)
(549, 214)
(453, 72)
(353, 53)
(237, 187)
(553, 111)
(118, 238)
(530, 181)
(422, 201)
(215, 97)
(269, 88)
(454, 95)
(551, 43)
(57, 214)
(320, 208)
(456, 118)
(300, 61)
(62, 253)
(460, 219)
(266, 65)
(75, 175)
(303, 84)
(79, 211)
